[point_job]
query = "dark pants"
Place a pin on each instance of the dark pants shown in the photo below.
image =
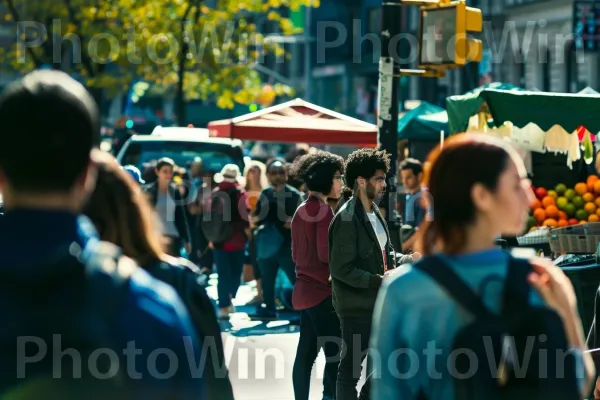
(229, 267)
(270, 267)
(175, 245)
(356, 332)
(319, 328)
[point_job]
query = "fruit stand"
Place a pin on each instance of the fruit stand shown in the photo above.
(565, 216)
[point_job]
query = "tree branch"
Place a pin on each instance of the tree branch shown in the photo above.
(15, 16)
(85, 58)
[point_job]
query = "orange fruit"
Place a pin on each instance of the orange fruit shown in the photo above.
(548, 201)
(562, 215)
(597, 201)
(562, 223)
(597, 187)
(552, 212)
(581, 188)
(588, 197)
(598, 212)
(591, 181)
(537, 204)
(551, 223)
(539, 215)
(593, 218)
(582, 222)
(590, 208)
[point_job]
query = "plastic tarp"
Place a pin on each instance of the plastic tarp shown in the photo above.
(461, 107)
(424, 122)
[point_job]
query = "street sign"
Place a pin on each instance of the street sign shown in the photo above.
(586, 25)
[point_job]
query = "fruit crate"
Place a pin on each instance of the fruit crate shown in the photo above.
(576, 239)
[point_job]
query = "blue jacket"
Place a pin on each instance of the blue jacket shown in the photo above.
(152, 315)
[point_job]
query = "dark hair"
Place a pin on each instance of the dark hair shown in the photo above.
(163, 162)
(275, 160)
(412, 164)
(450, 180)
(364, 163)
(51, 150)
(317, 170)
(122, 215)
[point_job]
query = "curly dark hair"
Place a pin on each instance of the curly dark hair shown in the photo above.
(364, 163)
(317, 170)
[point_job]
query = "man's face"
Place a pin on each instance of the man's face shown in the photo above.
(411, 181)
(165, 174)
(277, 174)
(375, 187)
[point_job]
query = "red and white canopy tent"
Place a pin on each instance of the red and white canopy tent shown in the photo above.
(297, 121)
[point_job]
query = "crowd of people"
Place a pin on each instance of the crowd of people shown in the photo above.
(92, 252)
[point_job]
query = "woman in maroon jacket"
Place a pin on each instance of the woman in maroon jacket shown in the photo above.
(322, 173)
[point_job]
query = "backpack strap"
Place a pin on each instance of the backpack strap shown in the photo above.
(516, 287)
(444, 276)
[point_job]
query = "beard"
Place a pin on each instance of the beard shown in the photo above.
(373, 194)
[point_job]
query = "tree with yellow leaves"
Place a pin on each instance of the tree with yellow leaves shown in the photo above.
(181, 45)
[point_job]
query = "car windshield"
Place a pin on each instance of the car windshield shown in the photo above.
(214, 155)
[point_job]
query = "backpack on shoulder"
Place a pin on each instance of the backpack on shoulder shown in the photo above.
(521, 353)
(88, 361)
(219, 214)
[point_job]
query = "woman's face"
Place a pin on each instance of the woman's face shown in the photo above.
(507, 208)
(336, 188)
(254, 175)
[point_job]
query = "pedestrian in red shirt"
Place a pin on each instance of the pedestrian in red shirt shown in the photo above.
(322, 174)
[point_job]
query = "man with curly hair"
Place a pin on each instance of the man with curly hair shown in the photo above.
(360, 255)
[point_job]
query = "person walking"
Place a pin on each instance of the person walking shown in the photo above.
(273, 216)
(229, 248)
(322, 172)
(360, 254)
(170, 207)
(59, 280)
(465, 287)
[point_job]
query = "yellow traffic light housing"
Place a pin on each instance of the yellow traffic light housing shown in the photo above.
(468, 19)
(443, 35)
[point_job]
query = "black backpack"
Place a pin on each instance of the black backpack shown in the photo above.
(96, 290)
(519, 334)
(219, 213)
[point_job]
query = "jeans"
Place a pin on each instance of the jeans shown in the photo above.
(270, 267)
(229, 267)
(356, 332)
(319, 328)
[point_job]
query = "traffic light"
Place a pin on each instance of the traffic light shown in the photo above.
(468, 19)
(443, 35)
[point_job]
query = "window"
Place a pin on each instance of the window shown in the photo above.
(374, 20)
(546, 59)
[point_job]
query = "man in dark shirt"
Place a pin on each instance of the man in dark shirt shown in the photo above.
(276, 205)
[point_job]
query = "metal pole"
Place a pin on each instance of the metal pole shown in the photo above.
(389, 64)
(307, 55)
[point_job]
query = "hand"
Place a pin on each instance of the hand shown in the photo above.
(287, 225)
(554, 287)
(211, 245)
(597, 390)
(416, 256)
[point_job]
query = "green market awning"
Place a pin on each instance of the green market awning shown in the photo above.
(424, 123)
(569, 111)
(461, 107)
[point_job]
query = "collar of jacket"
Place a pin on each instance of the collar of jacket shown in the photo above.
(355, 206)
